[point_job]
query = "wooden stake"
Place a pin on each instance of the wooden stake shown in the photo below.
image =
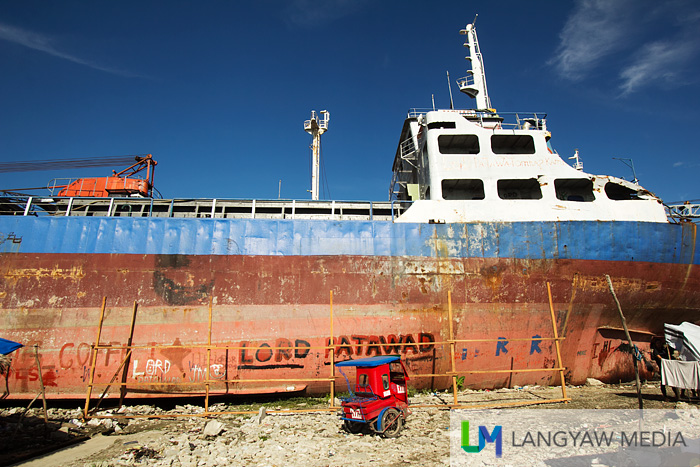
(452, 345)
(629, 339)
(556, 343)
(93, 359)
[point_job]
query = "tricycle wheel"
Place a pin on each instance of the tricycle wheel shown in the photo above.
(392, 422)
(353, 427)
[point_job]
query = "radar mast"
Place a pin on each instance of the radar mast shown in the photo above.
(316, 127)
(474, 84)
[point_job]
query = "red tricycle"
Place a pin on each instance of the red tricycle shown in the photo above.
(380, 401)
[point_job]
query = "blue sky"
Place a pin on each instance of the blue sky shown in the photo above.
(218, 91)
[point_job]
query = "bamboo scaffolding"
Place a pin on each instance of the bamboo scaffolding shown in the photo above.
(127, 360)
(334, 349)
(556, 342)
(93, 360)
(206, 399)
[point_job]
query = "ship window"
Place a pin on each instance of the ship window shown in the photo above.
(462, 189)
(512, 144)
(618, 192)
(434, 125)
(458, 144)
(519, 189)
(574, 189)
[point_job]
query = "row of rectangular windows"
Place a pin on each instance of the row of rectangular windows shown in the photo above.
(566, 189)
(500, 144)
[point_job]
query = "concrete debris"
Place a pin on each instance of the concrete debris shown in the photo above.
(594, 382)
(213, 428)
(298, 439)
(262, 413)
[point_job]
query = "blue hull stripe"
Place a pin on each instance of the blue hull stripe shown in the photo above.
(610, 241)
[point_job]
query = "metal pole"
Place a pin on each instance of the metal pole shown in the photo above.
(315, 149)
(629, 339)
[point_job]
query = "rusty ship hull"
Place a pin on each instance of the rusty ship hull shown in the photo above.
(266, 285)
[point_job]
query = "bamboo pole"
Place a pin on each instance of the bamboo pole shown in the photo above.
(111, 382)
(332, 399)
(629, 339)
(452, 345)
(127, 360)
(180, 383)
(206, 398)
(556, 342)
(41, 382)
(93, 359)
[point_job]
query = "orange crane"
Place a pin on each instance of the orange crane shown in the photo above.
(119, 184)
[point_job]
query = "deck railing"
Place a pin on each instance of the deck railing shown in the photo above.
(201, 208)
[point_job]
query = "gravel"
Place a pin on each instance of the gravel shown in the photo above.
(267, 438)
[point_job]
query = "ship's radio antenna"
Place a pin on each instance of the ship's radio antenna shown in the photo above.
(578, 165)
(474, 84)
(449, 86)
(316, 127)
(629, 163)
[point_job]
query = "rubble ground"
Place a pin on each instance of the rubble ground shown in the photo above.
(265, 438)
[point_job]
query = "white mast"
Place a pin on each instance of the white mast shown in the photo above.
(474, 84)
(316, 128)
(578, 165)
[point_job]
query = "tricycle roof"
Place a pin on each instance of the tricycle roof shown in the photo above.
(370, 361)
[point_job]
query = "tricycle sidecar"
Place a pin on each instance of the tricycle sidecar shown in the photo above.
(379, 400)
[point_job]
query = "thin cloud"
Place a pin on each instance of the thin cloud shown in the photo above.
(641, 42)
(659, 62)
(43, 43)
(597, 28)
(311, 13)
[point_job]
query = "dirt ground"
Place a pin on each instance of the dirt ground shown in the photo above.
(303, 439)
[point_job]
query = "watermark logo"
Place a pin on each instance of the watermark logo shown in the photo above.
(496, 436)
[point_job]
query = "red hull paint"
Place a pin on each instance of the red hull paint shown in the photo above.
(278, 301)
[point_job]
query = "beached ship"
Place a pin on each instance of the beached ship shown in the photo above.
(481, 207)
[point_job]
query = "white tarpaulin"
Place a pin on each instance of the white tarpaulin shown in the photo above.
(685, 338)
(677, 374)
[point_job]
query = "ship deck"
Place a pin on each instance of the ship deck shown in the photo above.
(202, 208)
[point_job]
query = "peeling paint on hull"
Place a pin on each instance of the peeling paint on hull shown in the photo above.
(263, 301)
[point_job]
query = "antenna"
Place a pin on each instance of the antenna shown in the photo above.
(578, 165)
(629, 163)
(316, 127)
(474, 84)
(449, 86)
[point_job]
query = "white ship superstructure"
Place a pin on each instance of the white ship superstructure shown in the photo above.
(485, 166)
